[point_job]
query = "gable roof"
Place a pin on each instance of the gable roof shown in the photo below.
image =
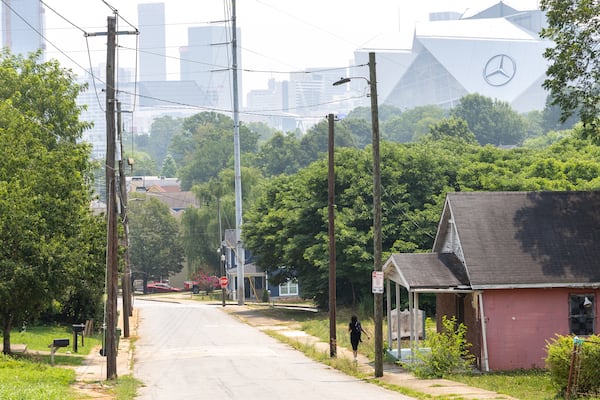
(514, 239)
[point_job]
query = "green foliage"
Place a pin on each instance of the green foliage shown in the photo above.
(448, 352)
(492, 121)
(574, 67)
(155, 249)
(204, 147)
(586, 373)
(169, 168)
(50, 240)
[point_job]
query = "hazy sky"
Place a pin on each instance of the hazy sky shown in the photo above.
(277, 35)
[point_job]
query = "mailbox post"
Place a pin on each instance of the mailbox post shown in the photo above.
(77, 330)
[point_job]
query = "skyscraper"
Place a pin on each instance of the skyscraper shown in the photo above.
(207, 61)
(22, 26)
(151, 22)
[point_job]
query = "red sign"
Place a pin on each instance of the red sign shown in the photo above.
(223, 281)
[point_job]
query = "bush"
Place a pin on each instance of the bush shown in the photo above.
(586, 374)
(448, 352)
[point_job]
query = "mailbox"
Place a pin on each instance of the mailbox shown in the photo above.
(56, 343)
(77, 330)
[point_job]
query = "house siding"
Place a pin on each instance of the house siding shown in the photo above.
(519, 322)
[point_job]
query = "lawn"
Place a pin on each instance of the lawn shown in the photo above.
(30, 375)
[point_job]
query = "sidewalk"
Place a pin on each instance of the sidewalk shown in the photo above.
(91, 374)
(392, 374)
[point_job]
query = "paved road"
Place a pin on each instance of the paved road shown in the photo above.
(196, 351)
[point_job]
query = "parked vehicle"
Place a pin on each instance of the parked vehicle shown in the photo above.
(161, 287)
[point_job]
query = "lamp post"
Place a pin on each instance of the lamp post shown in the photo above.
(331, 217)
(377, 234)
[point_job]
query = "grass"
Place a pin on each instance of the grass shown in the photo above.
(30, 375)
(524, 385)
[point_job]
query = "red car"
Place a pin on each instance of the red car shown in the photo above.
(159, 287)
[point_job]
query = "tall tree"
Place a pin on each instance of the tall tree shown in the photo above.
(45, 189)
(492, 121)
(205, 147)
(574, 70)
(155, 250)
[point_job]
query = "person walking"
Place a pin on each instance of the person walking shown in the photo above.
(355, 328)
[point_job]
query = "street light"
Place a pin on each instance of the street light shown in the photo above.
(377, 234)
(331, 217)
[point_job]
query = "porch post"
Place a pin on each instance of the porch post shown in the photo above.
(398, 323)
(389, 312)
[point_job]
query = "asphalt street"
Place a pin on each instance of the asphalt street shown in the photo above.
(189, 350)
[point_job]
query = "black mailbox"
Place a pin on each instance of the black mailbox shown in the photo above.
(77, 330)
(60, 343)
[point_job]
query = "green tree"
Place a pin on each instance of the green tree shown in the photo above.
(453, 127)
(169, 168)
(155, 250)
(281, 154)
(45, 191)
(411, 124)
(205, 147)
(492, 121)
(574, 63)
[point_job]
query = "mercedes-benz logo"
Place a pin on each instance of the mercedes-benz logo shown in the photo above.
(499, 70)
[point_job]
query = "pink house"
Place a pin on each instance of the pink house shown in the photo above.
(517, 268)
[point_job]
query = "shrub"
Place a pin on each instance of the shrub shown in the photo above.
(448, 352)
(586, 373)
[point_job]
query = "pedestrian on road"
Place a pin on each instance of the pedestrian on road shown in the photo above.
(356, 329)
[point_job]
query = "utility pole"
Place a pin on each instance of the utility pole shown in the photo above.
(112, 272)
(377, 235)
(240, 256)
(110, 348)
(125, 278)
(331, 217)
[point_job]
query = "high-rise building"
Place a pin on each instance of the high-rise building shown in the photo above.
(152, 44)
(22, 26)
(207, 60)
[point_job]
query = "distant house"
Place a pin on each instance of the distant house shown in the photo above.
(516, 268)
(255, 279)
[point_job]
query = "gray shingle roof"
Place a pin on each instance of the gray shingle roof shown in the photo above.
(528, 238)
(510, 239)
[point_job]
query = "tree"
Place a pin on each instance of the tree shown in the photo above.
(453, 127)
(169, 168)
(411, 124)
(205, 147)
(45, 191)
(492, 121)
(155, 250)
(574, 70)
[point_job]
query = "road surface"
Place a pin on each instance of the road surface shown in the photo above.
(190, 350)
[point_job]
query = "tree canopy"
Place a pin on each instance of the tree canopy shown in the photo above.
(50, 240)
(574, 70)
(154, 247)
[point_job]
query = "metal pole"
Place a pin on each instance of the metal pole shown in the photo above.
(377, 234)
(331, 218)
(238, 170)
(112, 237)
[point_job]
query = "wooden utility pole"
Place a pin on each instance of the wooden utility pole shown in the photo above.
(377, 234)
(126, 277)
(331, 218)
(110, 348)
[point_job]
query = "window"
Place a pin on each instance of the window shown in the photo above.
(290, 288)
(582, 314)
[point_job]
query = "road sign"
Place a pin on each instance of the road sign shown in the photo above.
(377, 282)
(223, 281)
